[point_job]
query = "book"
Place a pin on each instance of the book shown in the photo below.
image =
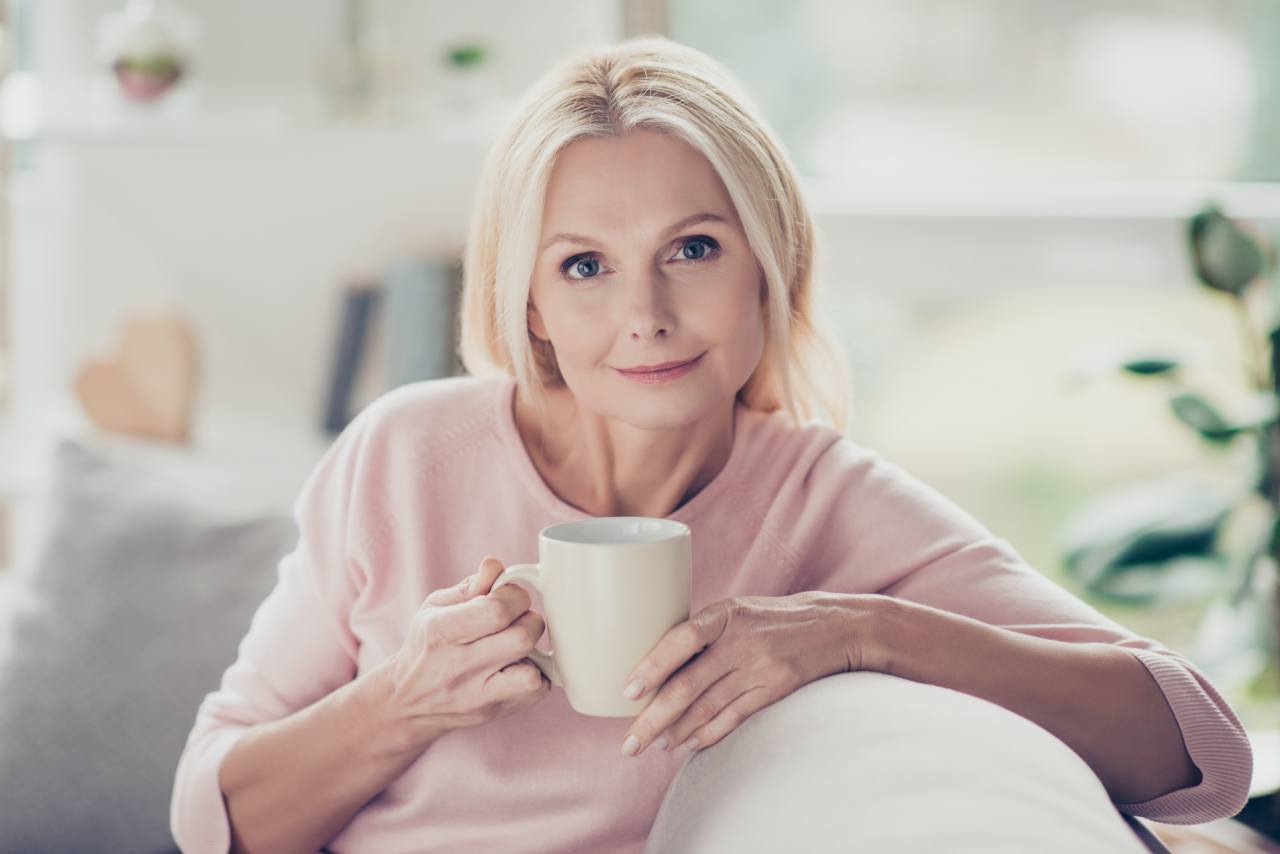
(421, 300)
(359, 302)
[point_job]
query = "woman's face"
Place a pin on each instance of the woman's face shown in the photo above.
(625, 278)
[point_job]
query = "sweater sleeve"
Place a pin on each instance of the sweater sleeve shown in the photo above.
(298, 647)
(873, 527)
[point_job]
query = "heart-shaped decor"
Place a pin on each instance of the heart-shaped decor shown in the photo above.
(146, 388)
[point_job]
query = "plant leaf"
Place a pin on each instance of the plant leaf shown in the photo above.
(1186, 578)
(1145, 522)
(1225, 256)
(1146, 366)
(466, 54)
(1192, 409)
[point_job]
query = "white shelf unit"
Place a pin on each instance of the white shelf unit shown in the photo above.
(249, 217)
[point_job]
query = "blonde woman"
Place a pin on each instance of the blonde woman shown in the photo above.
(640, 325)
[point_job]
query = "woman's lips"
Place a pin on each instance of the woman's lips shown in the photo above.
(662, 375)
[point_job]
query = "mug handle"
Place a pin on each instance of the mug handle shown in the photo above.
(531, 573)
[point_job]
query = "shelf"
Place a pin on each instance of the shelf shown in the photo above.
(1043, 200)
(89, 111)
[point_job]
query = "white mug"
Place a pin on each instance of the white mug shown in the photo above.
(611, 587)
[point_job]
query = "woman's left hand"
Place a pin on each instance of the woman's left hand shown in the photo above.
(738, 655)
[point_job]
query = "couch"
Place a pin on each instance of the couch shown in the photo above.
(151, 564)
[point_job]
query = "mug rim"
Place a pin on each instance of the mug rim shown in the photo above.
(677, 530)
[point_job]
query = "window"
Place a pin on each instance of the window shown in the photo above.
(1097, 90)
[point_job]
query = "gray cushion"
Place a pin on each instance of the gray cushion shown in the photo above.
(133, 607)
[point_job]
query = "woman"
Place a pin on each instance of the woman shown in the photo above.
(637, 213)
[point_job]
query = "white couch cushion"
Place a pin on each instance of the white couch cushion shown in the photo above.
(870, 762)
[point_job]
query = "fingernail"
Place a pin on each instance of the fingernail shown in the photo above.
(634, 689)
(662, 741)
(631, 745)
(692, 743)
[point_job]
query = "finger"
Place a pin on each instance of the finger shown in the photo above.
(682, 691)
(490, 569)
(704, 710)
(518, 677)
(469, 586)
(514, 597)
(730, 718)
(455, 595)
(510, 644)
(484, 615)
(679, 644)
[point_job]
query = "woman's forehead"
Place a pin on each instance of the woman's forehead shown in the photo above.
(631, 185)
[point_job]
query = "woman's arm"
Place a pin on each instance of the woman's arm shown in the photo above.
(876, 529)
(1097, 698)
(292, 784)
(290, 702)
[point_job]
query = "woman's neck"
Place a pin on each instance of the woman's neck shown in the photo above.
(607, 468)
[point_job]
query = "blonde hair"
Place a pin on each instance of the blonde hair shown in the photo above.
(648, 82)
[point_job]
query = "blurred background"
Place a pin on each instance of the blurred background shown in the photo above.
(1046, 228)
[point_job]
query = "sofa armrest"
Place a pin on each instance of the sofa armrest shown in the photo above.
(865, 761)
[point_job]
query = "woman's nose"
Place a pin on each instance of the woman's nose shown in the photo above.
(647, 309)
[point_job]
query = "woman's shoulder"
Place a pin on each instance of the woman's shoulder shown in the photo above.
(443, 400)
(428, 418)
(393, 450)
(798, 451)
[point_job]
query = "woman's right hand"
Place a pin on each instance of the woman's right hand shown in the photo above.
(464, 662)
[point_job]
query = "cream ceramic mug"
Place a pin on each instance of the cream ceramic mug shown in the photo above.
(611, 588)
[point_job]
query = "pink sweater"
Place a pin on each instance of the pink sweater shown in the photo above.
(432, 477)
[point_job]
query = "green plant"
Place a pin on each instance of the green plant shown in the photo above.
(466, 54)
(1161, 540)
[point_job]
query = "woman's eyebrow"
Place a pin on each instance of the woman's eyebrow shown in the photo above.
(569, 237)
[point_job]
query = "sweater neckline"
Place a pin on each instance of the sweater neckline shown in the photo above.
(528, 472)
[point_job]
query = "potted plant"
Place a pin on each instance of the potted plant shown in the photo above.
(148, 47)
(1161, 540)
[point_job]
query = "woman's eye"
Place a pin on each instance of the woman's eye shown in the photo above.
(577, 262)
(707, 245)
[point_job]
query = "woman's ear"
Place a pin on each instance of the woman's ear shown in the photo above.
(536, 325)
